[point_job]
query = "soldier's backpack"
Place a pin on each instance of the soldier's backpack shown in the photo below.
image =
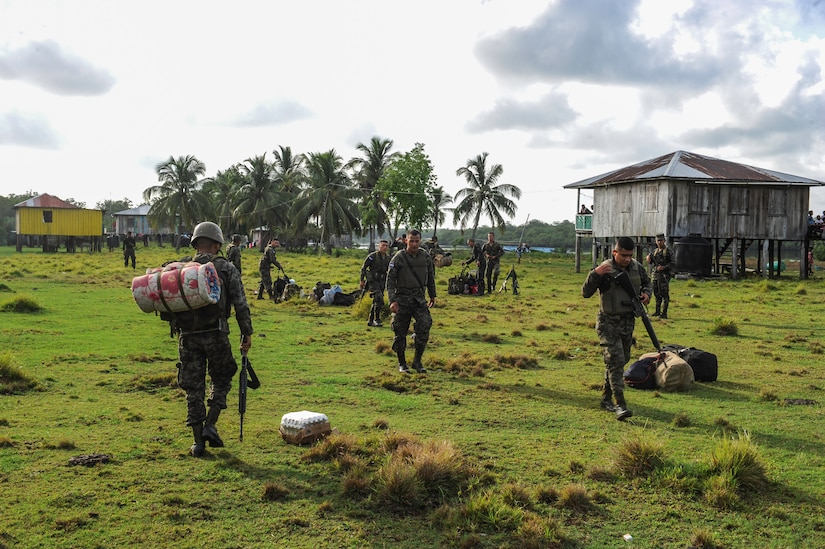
(454, 286)
(640, 374)
(704, 364)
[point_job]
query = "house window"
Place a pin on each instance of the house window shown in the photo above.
(738, 199)
(47, 216)
(698, 199)
(625, 200)
(651, 198)
(778, 202)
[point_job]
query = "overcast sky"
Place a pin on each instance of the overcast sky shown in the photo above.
(96, 93)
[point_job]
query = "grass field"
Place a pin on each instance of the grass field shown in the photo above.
(500, 444)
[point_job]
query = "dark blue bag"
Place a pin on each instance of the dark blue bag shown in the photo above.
(639, 375)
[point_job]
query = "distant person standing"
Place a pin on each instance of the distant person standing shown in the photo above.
(268, 260)
(374, 279)
(233, 252)
(411, 273)
(129, 249)
(661, 261)
(492, 252)
(616, 319)
(480, 261)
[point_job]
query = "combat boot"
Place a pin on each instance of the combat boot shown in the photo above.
(260, 292)
(607, 403)
(198, 447)
(622, 413)
(210, 432)
(664, 310)
(419, 353)
(658, 308)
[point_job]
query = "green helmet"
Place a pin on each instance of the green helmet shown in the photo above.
(209, 230)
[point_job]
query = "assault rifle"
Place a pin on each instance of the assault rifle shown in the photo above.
(247, 378)
(512, 274)
(623, 280)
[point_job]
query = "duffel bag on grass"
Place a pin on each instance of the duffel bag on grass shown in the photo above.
(704, 364)
(640, 374)
(177, 287)
(673, 373)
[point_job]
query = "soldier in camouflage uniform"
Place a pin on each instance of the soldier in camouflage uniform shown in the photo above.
(661, 261)
(129, 249)
(492, 252)
(480, 261)
(268, 260)
(233, 253)
(616, 320)
(374, 279)
(411, 271)
(204, 347)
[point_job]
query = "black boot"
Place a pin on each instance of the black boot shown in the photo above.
(198, 447)
(402, 362)
(210, 432)
(419, 352)
(261, 291)
(658, 308)
(664, 310)
(622, 413)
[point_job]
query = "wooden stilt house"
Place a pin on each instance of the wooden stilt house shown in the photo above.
(712, 212)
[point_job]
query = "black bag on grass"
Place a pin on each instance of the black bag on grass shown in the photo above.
(640, 374)
(704, 364)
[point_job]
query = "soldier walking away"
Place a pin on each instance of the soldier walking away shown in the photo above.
(374, 279)
(268, 260)
(233, 253)
(203, 342)
(480, 261)
(129, 249)
(410, 273)
(616, 319)
(661, 261)
(492, 252)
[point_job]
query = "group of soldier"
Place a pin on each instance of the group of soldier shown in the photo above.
(409, 280)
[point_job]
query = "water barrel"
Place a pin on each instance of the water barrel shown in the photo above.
(694, 255)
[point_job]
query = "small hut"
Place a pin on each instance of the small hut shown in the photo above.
(46, 220)
(714, 204)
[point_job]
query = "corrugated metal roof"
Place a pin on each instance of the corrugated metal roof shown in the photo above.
(45, 201)
(687, 165)
(143, 209)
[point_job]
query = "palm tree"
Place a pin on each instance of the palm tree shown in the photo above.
(367, 172)
(329, 197)
(221, 191)
(438, 199)
(288, 170)
(483, 195)
(258, 198)
(179, 196)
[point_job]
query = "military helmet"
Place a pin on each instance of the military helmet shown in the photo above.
(209, 230)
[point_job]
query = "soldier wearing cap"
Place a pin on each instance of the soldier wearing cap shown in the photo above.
(661, 262)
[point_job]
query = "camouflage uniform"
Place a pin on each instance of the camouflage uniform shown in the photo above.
(481, 262)
(661, 279)
(129, 251)
(374, 274)
(233, 255)
(615, 323)
(407, 290)
(492, 252)
(209, 349)
(268, 260)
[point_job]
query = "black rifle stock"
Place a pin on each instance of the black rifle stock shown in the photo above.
(623, 280)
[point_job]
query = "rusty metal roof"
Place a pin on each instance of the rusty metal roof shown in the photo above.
(692, 166)
(45, 201)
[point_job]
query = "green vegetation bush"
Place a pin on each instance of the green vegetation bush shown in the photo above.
(639, 455)
(738, 457)
(13, 379)
(724, 327)
(20, 304)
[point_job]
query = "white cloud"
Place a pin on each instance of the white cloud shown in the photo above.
(554, 91)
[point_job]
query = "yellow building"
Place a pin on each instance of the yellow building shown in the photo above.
(47, 221)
